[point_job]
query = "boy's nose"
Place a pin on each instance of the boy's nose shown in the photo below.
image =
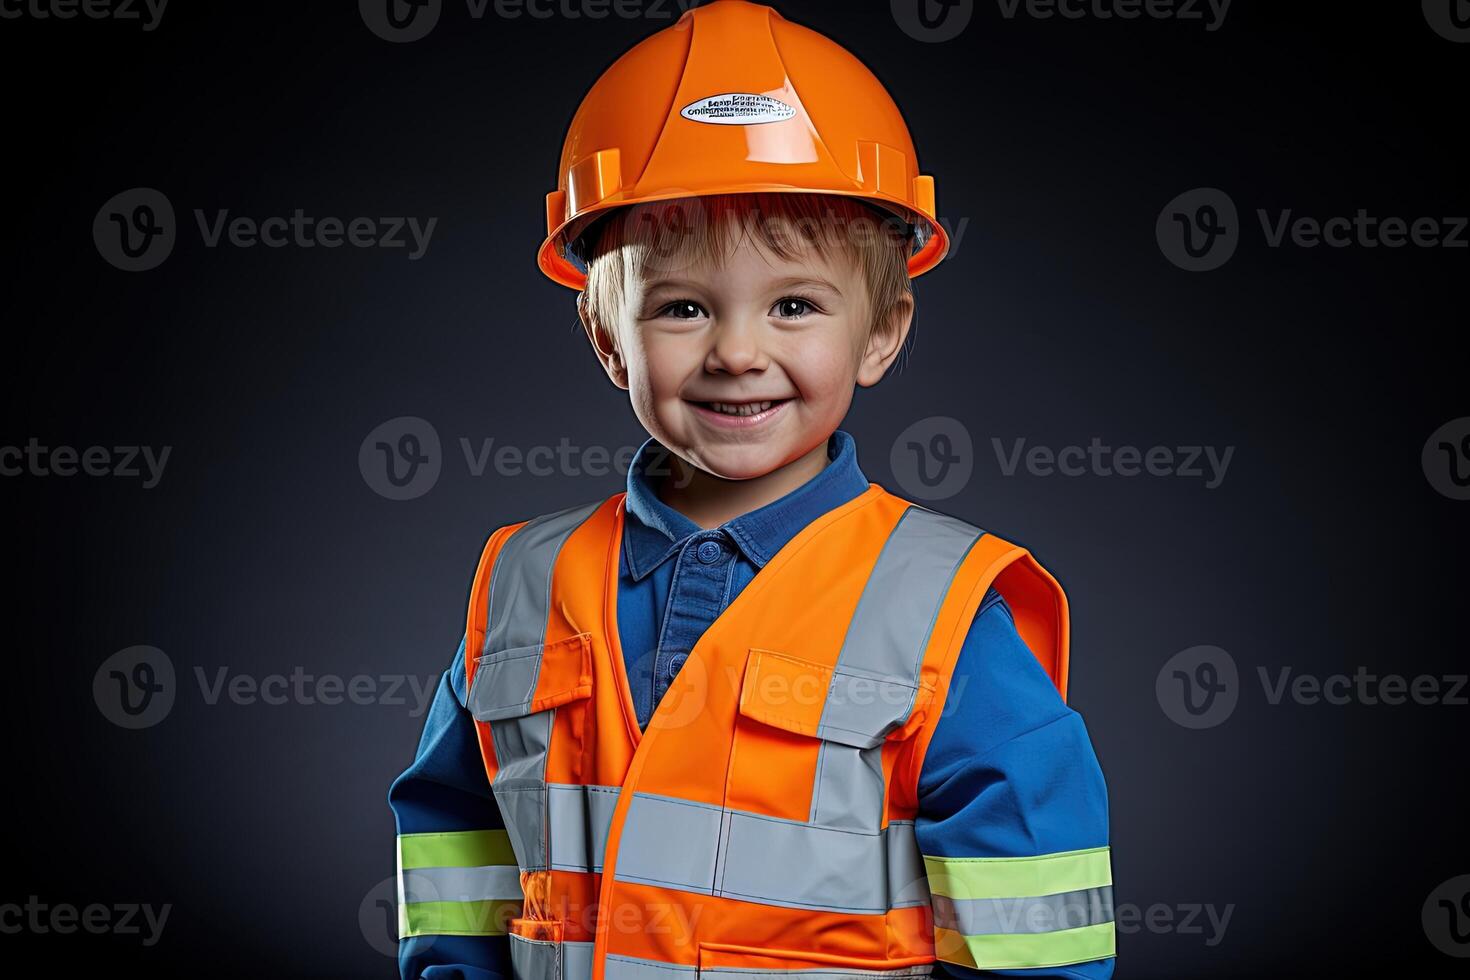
(735, 349)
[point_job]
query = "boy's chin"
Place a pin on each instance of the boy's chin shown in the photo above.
(737, 462)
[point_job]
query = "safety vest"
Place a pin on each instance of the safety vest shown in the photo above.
(764, 820)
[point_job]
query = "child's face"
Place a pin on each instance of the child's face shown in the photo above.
(744, 367)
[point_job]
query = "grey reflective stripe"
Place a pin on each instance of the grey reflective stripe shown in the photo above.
(580, 817)
(908, 882)
(518, 606)
(698, 847)
(505, 677)
(520, 784)
(619, 967)
(671, 842)
(576, 961)
(877, 671)
(736, 972)
(1037, 914)
(876, 675)
(535, 959)
(490, 883)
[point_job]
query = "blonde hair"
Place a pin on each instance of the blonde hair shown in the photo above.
(638, 242)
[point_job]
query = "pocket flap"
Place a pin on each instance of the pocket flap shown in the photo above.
(518, 681)
(835, 704)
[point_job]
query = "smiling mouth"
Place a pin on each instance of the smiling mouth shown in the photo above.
(742, 408)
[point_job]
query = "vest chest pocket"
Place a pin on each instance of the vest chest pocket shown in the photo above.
(802, 723)
(516, 691)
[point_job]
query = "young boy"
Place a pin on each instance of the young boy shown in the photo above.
(755, 715)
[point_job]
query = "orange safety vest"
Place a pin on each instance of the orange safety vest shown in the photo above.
(764, 820)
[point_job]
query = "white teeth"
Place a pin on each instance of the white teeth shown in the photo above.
(743, 408)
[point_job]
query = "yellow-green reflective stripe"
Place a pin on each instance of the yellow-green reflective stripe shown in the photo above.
(463, 849)
(1026, 950)
(456, 918)
(1018, 877)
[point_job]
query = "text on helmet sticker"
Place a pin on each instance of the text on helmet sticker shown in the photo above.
(737, 109)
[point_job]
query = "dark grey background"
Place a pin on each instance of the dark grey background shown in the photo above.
(1056, 320)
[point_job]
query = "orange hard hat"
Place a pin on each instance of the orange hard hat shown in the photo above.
(734, 98)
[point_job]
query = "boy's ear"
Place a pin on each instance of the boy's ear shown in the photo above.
(602, 343)
(886, 340)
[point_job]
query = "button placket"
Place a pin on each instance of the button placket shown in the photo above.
(700, 587)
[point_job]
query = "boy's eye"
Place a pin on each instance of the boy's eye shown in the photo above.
(791, 308)
(682, 310)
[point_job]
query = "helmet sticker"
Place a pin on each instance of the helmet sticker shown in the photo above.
(737, 109)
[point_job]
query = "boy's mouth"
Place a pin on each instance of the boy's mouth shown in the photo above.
(748, 412)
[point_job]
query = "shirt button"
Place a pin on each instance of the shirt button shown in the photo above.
(676, 662)
(709, 552)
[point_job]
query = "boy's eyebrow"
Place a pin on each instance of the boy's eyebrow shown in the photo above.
(790, 282)
(794, 281)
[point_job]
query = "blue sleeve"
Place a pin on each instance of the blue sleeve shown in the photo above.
(1013, 820)
(457, 881)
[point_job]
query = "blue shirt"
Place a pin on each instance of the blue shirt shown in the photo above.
(1009, 771)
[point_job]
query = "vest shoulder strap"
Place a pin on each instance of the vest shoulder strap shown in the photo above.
(510, 599)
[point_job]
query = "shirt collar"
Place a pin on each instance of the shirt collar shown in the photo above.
(654, 530)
